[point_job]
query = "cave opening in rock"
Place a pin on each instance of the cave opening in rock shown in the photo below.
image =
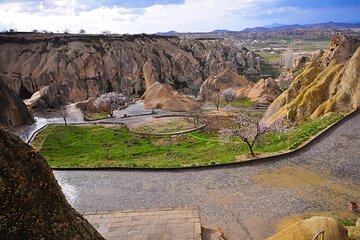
(24, 92)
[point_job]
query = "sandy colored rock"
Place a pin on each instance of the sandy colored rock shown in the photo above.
(306, 230)
(42, 98)
(78, 67)
(319, 89)
(163, 96)
(87, 106)
(354, 232)
(32, 204)
(13, 111)
(264, 91)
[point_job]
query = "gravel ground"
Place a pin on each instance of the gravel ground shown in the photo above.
(230, 197)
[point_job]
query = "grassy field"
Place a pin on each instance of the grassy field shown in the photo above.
(96, 145)
(270, 57)
(96, 116)
(243, 102)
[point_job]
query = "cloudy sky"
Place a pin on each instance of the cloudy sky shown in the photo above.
(151, 16)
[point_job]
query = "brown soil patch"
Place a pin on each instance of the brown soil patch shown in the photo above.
(172, 140)
(318, 189)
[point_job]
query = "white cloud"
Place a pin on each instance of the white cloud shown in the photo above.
(192, 15)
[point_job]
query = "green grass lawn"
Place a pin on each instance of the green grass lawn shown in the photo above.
(97, 115)
(271, 57)
(243, 102)
(80, 146)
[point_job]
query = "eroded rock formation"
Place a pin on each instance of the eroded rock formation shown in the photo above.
(75, 67)
(264, 91)
(12, 109)
(328, 83)
(307, 229)
(32, 204)
(163, 96)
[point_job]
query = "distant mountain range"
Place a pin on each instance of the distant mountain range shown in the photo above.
(277, 26)
(328, 25)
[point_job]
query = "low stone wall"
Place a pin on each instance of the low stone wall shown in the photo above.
(173, 133)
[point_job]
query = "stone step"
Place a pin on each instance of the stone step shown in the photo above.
(147, 224)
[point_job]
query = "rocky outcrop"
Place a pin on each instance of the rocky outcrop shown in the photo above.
(329, 83)
(264, 91)
(32, 204)
(306, 229)
(44, 98)
(12, 109)
(78, 67)
(163, 96)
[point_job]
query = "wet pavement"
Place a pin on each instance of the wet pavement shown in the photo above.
(231, 197)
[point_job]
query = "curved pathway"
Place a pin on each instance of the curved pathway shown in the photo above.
(245, 201)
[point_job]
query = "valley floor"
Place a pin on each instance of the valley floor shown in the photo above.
(246, 202)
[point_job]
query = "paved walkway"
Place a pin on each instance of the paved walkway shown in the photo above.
(246, 202)
(147, 224)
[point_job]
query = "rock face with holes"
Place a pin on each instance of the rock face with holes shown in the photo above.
(32, 204)
(328, 83)
(76, 67)
(12, 109)
(307, 229)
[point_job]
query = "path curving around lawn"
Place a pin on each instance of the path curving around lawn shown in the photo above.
(246, 200)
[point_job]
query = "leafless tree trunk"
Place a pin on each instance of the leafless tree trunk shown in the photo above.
(64, 114)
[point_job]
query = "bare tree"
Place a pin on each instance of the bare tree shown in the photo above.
(64, 113)
(248, 129)
(168, 141)
(107, 147)
(287, 59)
(110, 101)
(196, 115)
(228, 95)
(217, 98)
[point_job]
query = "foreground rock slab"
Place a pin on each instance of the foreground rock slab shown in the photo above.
(12, 109)
(32, 204)
(144, 224)
(307, 229)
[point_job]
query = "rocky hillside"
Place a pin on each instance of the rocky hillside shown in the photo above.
(13, 111)
(76, 67)
(32, 204)
(328, 83)
(163, 96)
(263, 91)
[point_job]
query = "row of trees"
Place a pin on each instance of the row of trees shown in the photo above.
(216, 96)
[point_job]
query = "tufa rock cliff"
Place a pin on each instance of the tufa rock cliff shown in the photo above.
(264, 91)
(12, 109)
(163, 96)
(76, 67)
(306, 229)
(328, 83)
(32, 204)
